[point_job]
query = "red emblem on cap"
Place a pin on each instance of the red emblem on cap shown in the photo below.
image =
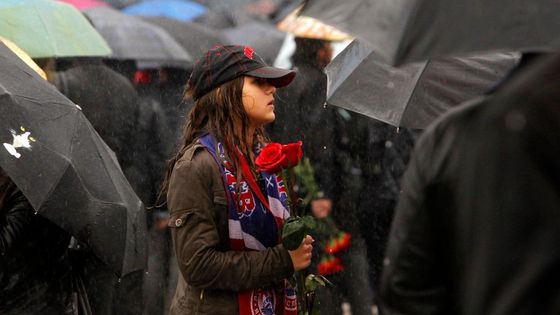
(248, 51)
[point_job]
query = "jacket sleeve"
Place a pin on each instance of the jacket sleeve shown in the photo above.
(15, 218)
(412, 280)
(196, 237)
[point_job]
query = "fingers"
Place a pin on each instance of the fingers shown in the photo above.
(308, 240)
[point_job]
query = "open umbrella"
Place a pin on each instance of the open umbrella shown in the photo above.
(46, 29)
(412, 96)
(132, 38)
(85, 4)
(68, 174)
(308, 27)
(24, 56)
(264, 38)
(181, 10)
(196, 39)
(417, 30)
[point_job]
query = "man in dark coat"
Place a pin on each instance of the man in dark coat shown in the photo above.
(476, 228)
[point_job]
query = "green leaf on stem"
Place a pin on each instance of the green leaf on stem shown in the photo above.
(293, 232)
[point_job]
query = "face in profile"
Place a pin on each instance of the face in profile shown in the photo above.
(258, 100)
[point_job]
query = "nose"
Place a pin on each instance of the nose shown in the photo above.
(270, 89)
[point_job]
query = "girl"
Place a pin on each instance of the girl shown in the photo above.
(225, 232)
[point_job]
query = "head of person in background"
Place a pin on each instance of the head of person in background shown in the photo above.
(314, 52)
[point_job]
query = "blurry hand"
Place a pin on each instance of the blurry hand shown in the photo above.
(301, 257)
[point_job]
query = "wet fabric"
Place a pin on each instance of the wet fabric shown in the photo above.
(42, 127)
(417, 30)
(475, 230)
(255, 223)
(211, 273)
(414, 95)
(35, 271)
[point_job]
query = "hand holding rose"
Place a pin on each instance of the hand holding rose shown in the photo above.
(301, 257)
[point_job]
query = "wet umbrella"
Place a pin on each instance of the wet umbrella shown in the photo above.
(65, 170)
(85, 4)
(308, 27)
(132, 38)
(411, 96)
(417, 30)
(24, 56)
(47, 29)
(264, 38)
(119, 4)
(195, 38)
(181, 10)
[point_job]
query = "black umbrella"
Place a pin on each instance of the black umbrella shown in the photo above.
(195, 38)
(411, 96)
(417, 30)
(70, 176)
(132, 38)
(121, 3)
(264, 38)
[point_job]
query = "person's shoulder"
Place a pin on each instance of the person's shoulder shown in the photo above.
(197, 157)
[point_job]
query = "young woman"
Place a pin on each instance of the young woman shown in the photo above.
(225, 232)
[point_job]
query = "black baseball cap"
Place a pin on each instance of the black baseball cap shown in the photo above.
(223, 63)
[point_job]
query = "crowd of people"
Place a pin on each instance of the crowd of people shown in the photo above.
(472, 229)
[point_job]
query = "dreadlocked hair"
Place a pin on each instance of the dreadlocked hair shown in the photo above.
(220, 112)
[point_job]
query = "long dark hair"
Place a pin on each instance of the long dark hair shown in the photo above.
(221, 113)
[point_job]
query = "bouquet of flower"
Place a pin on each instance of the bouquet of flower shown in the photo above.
(282, 159)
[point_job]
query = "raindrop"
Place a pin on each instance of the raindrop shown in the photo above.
(388, 144)
(119, 280)
(324, 147)
(325, 105)
(36, 212)
(391, 85)
(386, 262)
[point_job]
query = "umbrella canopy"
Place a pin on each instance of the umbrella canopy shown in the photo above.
(196, 39)
(417, 30)
(308, 27)
(264, 38)
(24, 56)
(132, 38)
(411, 96)
(68, 174)
(49, 29)
(119, 4)
(85, 4)
(181, 10)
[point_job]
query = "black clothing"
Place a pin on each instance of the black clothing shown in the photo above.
(476, 228)
(35, 272)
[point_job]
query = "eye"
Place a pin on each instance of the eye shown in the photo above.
(260, 81)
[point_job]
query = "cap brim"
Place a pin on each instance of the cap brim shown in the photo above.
(276, 76)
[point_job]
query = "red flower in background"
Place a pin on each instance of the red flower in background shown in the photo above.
(330, 265)
(338, 243)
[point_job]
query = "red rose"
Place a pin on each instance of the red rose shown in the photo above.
(293, 153)
(271, 159)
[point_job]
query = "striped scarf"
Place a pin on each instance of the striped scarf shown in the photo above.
(255, 223)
